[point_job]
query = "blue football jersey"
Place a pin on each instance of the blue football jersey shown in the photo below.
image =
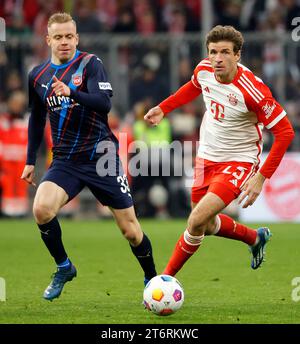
(78, 122)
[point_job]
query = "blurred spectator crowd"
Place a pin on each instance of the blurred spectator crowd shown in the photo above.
(143, 78)
(148, 16)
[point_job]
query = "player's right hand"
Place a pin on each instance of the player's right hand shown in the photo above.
(154, 116)
(28, 174)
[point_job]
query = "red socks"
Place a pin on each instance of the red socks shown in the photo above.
(186, 246)
(233, 230)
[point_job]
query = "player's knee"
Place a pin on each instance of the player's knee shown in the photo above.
(42, 213)
(196, 224)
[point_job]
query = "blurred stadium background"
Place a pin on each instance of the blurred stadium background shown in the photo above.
(149, 48)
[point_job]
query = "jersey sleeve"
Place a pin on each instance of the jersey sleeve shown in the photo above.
(261, 101)
(36, 123)
(186, 93)
(284, 134)
(183, 95)
(97, 78)
(194, 78)
(99, 89)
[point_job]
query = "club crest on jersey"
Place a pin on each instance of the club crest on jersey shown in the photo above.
(232, 99)
(77, 79)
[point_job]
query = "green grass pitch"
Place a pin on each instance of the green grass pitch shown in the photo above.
(220, 286)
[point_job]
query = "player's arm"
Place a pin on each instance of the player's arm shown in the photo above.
(99, 90)
(36, 127)
(98, 87)
(283, 136)
(183, 95)
(277, 122)
(273, 116)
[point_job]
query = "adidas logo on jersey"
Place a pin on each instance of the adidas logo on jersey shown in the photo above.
(234, 182)
(207, 89)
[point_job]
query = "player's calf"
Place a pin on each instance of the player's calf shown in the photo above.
(144, 255)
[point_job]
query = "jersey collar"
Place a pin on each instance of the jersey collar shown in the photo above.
(53, 65)
(237, 75)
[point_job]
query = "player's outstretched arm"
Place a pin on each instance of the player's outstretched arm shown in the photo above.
(183, 95)
(28, 174)
(154, 116)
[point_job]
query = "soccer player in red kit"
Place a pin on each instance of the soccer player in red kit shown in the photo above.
(238, 106)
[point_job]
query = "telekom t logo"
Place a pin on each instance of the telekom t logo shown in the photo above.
(217, 110)
(2, 289)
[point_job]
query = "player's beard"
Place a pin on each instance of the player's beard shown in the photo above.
(221, 75)
(64, 58)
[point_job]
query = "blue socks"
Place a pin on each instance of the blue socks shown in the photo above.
(64, 265)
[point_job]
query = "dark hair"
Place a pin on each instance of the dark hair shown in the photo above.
(225, 33)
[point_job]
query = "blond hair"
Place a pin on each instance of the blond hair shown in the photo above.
(60, 17)
(225, 33)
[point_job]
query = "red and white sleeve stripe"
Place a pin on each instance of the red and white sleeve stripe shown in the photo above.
(203, 65)
(259, 99)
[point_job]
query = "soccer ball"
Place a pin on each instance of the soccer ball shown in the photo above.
(163, 295)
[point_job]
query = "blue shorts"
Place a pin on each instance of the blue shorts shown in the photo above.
(110, 190)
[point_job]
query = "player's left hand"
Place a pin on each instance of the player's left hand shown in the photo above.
(154, 116)
(59, 88)
(252, 189)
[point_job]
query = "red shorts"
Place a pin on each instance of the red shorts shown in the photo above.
(224, 179)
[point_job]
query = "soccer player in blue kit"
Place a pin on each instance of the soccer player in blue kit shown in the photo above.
(72, 87)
